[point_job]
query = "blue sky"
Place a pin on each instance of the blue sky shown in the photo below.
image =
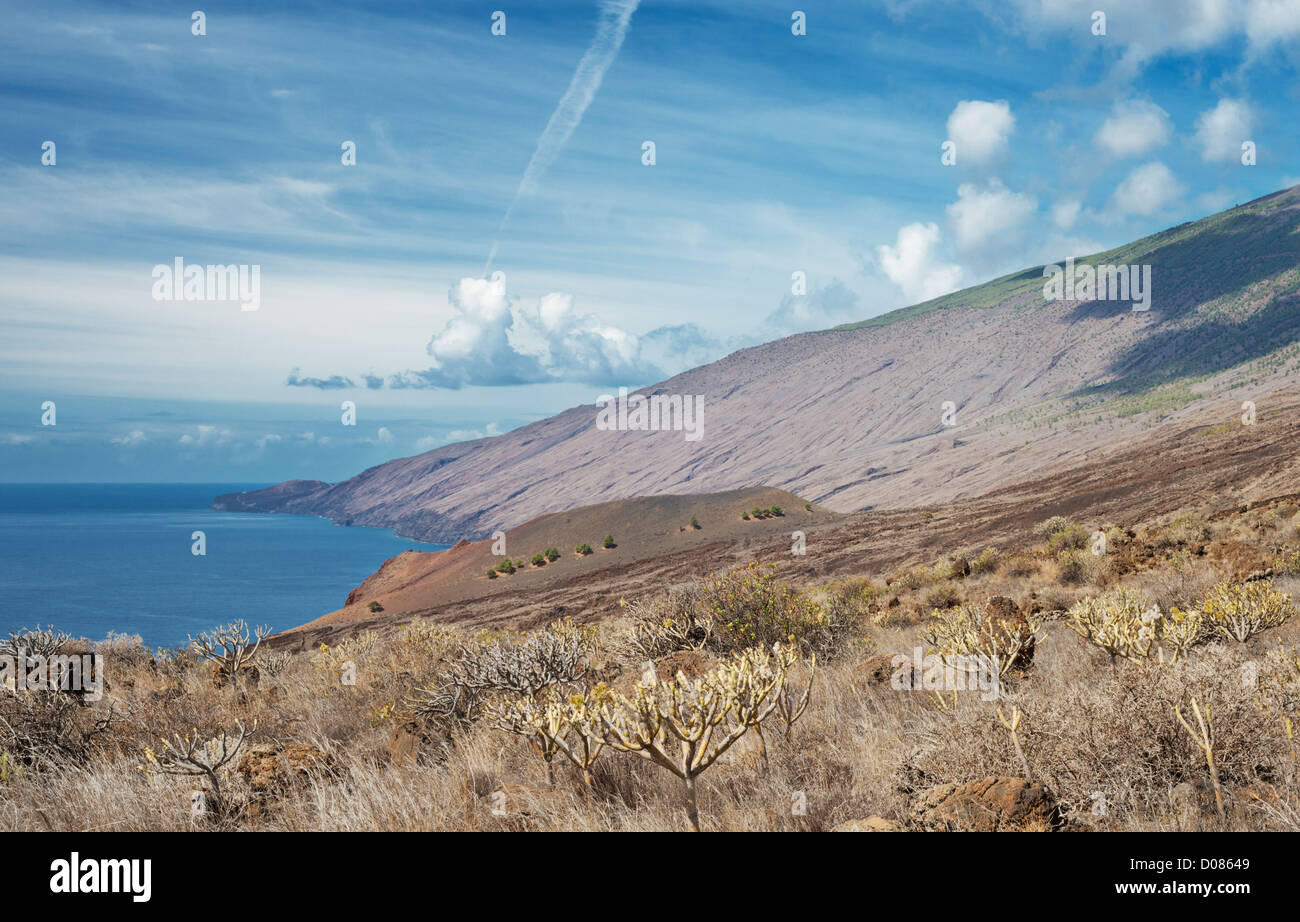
(774, 153)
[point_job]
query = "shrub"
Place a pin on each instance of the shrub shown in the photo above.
(523, 666)
(608, 541)
(374, 606)
(745, 516)
(978, 631)
(915, 577)
(1049, 527)
(748, 606)
(552, 554)
(584, 548)
(506, 566)
(943, 597)
(492, 574)
(200, 756)
(1238, 611)
(1186, 529)
(230, 647)
(1121, 622)
(988, 561)
(684, 725)
(776, 510)
(539, 559)
(667, 623)
(1072, 537)
(695, 523)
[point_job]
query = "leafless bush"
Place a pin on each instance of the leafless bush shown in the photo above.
(522, 666)
(230, 647)
(666, 623)
(198, 755)
(46, 727)
(35, 641)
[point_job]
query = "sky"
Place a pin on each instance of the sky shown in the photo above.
(551, 199)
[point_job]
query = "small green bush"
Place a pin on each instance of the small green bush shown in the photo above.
(1072, 537)
(608, 541)
(506, 566)
(492, 574)
(749, 607)
(539, 559)
(552, 554)
(584, 549)
(988, 561)
(375, 606)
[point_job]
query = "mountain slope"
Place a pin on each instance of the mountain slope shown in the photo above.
(852, 417)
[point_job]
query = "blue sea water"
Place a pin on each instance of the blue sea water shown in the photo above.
(94, 558)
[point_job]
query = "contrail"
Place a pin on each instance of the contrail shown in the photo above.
(615, 17)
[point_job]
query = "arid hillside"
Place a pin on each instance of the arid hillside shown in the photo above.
(1211, 465)
(853, 418)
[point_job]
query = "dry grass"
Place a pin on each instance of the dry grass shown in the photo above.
(1089, 728)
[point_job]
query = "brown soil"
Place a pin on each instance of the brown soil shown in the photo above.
(1202, 467)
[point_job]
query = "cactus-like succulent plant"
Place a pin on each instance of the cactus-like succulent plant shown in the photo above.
(1121, 622)
(230, 647)
(1239, 611)
(554, 725)
(684, 725)
(973, 632)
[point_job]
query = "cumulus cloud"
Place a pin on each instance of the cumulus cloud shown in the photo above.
(1220, 131)
(134, 437)
(1134, 127)
(1147, 190)
(494, 340)
(1147, 29)
(912, 264)
(1272, 21)
(987, 219)
(206, 435)
(980, 130)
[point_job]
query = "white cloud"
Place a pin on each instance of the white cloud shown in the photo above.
(1270, 21)
(384, 436)
(206, 435)
(135, 437)
(980, 130)
(494, 340)
(1065, 213)
(1133, 128)
(1220, 131)
(1147, 190)
(913, 265)
(988, 217)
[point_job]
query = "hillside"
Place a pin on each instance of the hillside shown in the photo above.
(850, 418)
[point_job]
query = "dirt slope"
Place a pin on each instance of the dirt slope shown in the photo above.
(852, 418)
(1209, 464)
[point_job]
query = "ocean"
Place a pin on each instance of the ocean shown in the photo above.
(95, 558)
